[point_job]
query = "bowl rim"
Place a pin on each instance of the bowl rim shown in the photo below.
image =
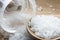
(31, 33)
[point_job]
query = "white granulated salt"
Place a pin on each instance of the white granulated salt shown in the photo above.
(46, 26)
(50, 6)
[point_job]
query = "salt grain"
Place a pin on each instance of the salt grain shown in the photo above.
(40, 8)
(53, 9)
(50, 6)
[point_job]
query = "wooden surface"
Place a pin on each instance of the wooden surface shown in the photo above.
(46, 9)
(2, 37)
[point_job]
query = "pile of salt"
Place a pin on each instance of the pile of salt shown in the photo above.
(45, 26)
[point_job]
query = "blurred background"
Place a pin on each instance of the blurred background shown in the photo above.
(48, 7)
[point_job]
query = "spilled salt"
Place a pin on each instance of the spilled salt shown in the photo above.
(50, 6)
(40, 8)
(53, 9)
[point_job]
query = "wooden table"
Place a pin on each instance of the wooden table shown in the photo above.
(46, 9)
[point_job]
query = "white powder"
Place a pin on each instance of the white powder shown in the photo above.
(46, 26)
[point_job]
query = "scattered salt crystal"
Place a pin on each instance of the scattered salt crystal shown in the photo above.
(46, 26)
(40, 8)
(53, 9)
(51, 6)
